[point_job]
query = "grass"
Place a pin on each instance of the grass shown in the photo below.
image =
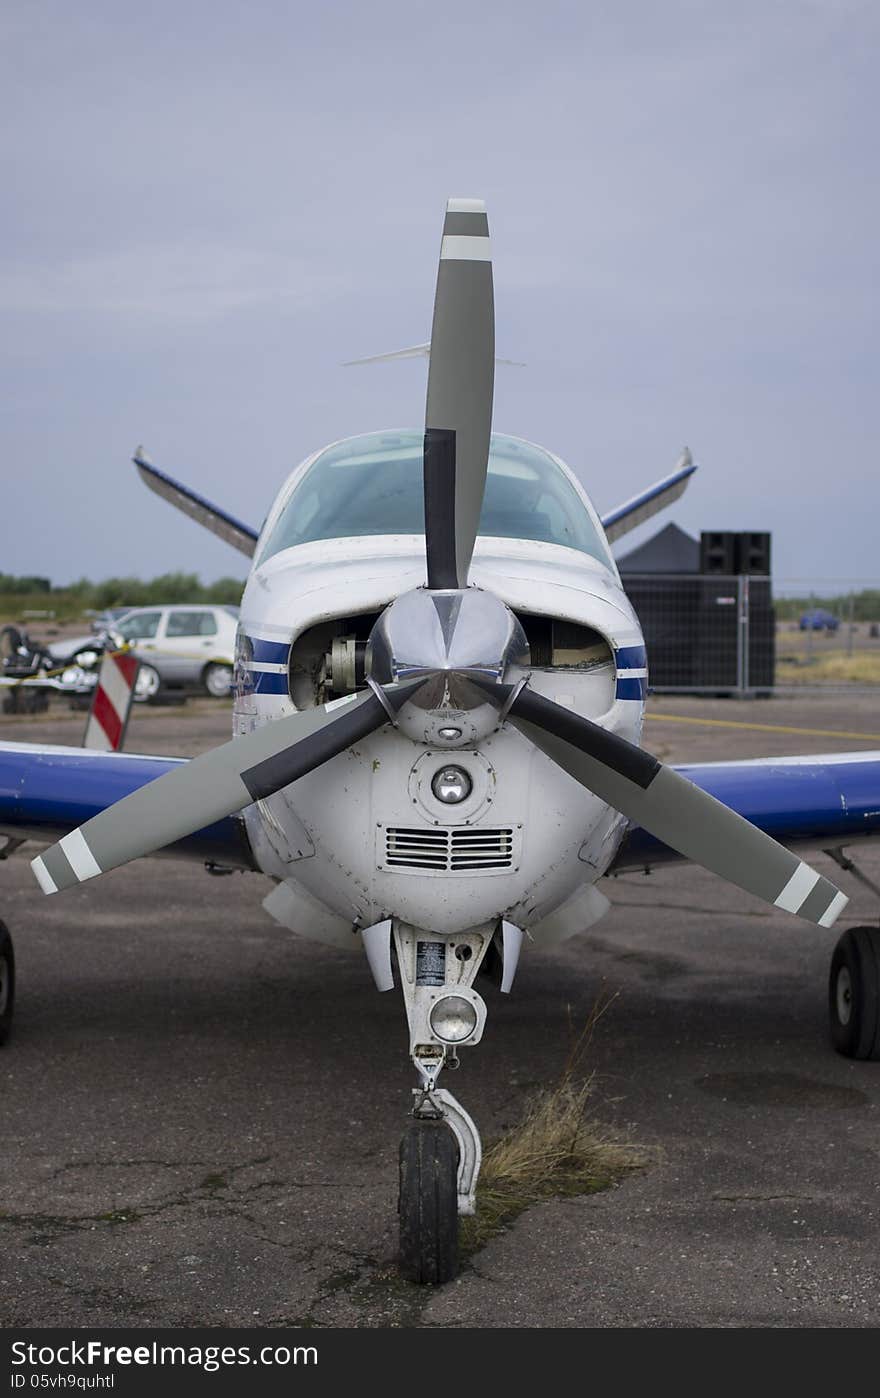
(556, 1150)
(862, 667)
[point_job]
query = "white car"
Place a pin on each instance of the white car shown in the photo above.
(181, 647)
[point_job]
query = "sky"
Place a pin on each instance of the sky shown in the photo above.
(209, 206)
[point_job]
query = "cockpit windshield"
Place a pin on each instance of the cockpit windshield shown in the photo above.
(373, 485)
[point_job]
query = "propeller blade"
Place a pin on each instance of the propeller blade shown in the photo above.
(214, 785)
(665, 803)
(461, 378)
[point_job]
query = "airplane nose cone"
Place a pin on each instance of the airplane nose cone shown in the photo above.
(449, 637)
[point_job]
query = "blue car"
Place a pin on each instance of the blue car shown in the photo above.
(819, 620)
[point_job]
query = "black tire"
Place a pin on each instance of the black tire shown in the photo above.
(854, 994)
(428, 1203)
(7, 983)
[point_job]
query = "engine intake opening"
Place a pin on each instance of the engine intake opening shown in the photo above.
(328, 660)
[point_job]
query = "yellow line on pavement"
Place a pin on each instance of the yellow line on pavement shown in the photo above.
(766, 727)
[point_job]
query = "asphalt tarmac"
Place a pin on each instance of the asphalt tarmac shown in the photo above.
(200, 1112)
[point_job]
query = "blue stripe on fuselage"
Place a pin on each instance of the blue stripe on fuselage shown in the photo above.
(632, 688)
(269, 652)
(264, 682)
(631, 658)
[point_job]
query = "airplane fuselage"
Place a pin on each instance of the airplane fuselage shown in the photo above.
(365, 837)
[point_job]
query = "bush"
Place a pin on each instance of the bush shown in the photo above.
(18, 594)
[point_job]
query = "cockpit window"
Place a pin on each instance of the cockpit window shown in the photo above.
(373, 485)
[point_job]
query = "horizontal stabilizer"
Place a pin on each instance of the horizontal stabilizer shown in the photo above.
(649, 502)
(224, 525)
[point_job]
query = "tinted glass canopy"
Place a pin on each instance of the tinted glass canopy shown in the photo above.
(373, 485)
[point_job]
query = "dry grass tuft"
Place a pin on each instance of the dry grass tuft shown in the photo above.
(556, 1150)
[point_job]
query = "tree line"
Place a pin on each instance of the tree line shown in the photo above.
(85, 595)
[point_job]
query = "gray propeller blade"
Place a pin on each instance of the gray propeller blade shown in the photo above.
(461, 379)
(672, 808)
(213, 785)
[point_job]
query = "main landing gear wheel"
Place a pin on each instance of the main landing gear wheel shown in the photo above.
(7, 983)
(428, 1203)
(854, 994)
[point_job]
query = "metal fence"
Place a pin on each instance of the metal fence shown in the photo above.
(748, 635)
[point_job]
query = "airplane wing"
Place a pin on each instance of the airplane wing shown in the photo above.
(225, 526)
(45, 792)
(824, 802)
(633, 512)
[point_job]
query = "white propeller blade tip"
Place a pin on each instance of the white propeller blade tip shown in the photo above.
(465, 206)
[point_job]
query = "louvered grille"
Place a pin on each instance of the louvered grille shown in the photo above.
(481, 849)
(417, 849)
(449, 851)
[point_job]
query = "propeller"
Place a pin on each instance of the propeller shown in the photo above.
(442, 649)
(669, 806)
(461, 378)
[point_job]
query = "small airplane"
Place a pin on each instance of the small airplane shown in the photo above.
(438, 701)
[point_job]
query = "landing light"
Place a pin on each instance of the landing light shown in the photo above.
(451, 785)
(453, 1019)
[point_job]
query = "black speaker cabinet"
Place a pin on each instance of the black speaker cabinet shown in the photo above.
(753, 554)
(717, 552)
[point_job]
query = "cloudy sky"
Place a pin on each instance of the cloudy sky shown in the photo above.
(208, 206)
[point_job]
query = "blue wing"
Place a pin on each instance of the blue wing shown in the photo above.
(45, 792)
(823, 802)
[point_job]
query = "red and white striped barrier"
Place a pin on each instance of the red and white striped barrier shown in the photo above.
(112, 701)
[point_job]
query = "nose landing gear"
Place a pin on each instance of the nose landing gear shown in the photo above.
(440, 1154)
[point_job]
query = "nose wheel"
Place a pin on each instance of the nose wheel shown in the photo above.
(428, 1202)
(440, 1157)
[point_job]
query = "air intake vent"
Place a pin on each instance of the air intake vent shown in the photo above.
(417, 849)
(481, 849)
(457, 851)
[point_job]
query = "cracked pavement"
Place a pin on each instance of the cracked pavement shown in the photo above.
(200, 1112)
